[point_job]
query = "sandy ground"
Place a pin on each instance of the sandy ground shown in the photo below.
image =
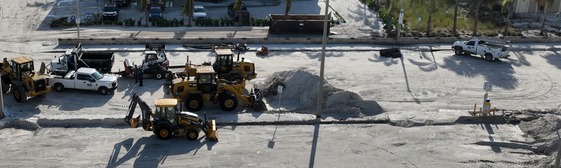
(423, 87)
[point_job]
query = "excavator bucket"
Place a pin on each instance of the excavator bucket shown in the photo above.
(134, 122)
(212, 134)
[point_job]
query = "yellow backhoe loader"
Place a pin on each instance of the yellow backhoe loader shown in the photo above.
(20, 76)
(167, 120)
(206, 87)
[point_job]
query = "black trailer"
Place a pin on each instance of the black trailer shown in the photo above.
(297, 24)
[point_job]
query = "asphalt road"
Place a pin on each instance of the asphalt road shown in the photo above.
(331, 145)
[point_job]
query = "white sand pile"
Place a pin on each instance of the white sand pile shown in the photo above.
(542, 130)
(300, 93)
(18, 124)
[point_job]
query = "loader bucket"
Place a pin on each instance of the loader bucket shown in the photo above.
(134, 122)
(211, 134)
(258, 104)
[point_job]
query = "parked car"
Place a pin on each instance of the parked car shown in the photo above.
(243, 12)
(199, 12)
(110, 11)
(66, 3)
(121, 3)
(154, 13)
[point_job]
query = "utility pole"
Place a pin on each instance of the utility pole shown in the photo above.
(322, 60)
(400, 20)
(78, 17)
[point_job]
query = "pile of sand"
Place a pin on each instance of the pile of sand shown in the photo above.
(18, 124)
(543, 131)
(301, 93)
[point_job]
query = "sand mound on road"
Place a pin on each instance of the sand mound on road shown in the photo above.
(18, 124)
(543, 131)
(300, 93)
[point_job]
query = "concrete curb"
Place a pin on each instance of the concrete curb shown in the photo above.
(291, 40)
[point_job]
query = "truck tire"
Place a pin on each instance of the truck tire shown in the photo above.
(228, 101)
(160, 75)
(192, 134)
(59, 87)
(103, 90)
(488, 57)
(163, 132)
(19, 93)
(458, 51)
(194, 103)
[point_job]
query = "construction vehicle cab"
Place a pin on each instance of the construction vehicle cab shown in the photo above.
(20, 75)
(206, 87)
(167, 120)
(228, 68)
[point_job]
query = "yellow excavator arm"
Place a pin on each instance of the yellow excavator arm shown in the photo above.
(146, 113)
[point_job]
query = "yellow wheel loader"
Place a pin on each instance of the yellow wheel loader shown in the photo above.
(167, 120)
(20, 76)
(226, 67)
(206, 87)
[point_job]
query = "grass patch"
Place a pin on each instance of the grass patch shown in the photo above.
(442, 17)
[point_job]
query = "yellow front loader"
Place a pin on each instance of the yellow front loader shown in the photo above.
(24, 81)
(206, 87)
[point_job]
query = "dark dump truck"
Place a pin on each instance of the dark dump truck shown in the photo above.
(102, 61)
(297, 24)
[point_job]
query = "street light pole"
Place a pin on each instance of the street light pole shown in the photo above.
(78, 17)
(322, 60)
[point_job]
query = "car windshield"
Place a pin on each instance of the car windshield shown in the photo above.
(97, 75)
(155, 10)
(199, 10)
(110, 9)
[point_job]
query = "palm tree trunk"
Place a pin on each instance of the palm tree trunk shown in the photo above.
(430, 17)
(543, 22)
(288, 5)
(454, 28)
(476, 21)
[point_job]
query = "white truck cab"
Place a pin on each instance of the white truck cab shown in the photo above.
(486, 48)
(85, 79)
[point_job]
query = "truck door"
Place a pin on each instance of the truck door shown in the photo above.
(85, 82)
(470, 46)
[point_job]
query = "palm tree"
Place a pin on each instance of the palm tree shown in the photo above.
(547, 4)
(431, 6)
(476, 19)
(288, 4)
(188, 9)
(455, 27)
(238, 9)
(507, 4)
(478, 4)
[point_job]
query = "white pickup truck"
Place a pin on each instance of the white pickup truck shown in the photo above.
(487, 49)
(85, 79)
